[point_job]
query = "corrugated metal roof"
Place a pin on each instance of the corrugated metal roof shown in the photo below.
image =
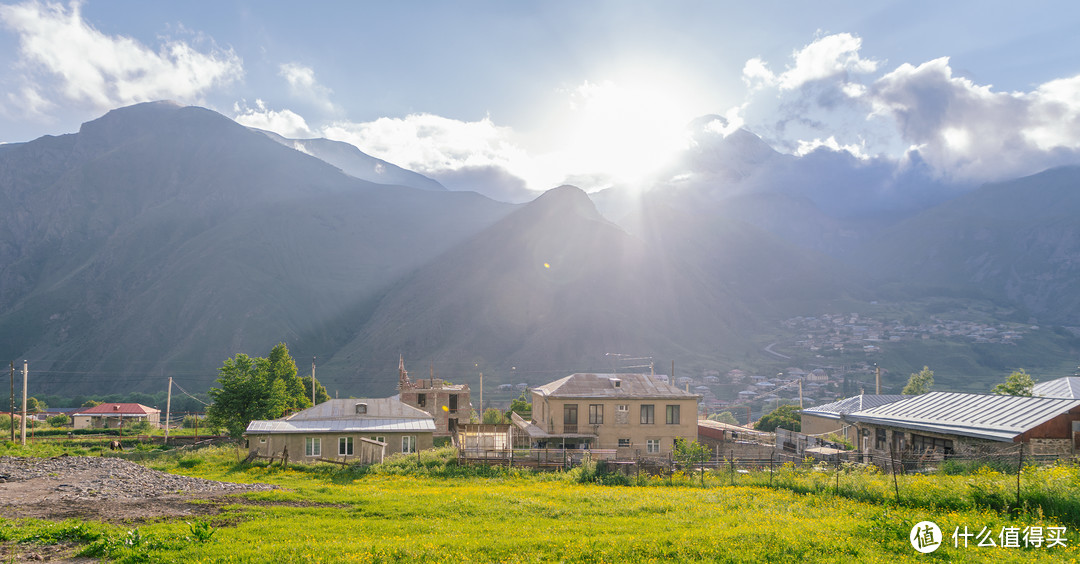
(584, 385)
(999, 418)
(850, 405)
(117, 409)
(1068, 387)
(346, 409)
(366, 425)
(729, 427)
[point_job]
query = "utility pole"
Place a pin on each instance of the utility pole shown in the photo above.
(877, 376)
(800, 393)
(168, 410)
(23, 422)
(481, 397)
(313, 381)
(13, 401)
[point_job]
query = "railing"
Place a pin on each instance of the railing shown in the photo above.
(544, 457)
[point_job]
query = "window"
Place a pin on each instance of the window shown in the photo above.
(344, 446)
(421, 400)
(596, 414)
(622, 407)
(408, 444)
(652, 446)
(624, 443)
(312, 446)
(921, 443)
(570, 414)
(648, 415)
(453, 403)
(262, 439)
(361, 409)
(380, 439)
(880, 440)
(672, 417)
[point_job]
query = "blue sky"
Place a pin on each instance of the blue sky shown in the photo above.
(535, 94)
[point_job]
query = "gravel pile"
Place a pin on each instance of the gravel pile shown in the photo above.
(83, 478)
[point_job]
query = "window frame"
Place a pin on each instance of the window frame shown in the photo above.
(672, 414)
(596, 414)
(312, 446)
(650, 410)
(345, 446)
(652, 446)
(408, 442)
(625, 443)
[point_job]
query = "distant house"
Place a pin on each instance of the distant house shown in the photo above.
(946, 423)
(636, 414)
(112, 415)
(344, 430)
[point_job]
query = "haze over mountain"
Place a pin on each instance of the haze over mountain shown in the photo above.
(160, 240)
(166, 238)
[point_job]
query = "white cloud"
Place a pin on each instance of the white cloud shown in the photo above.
(826, 57)
(65, 58)
(807, 147)
(303, 85)
(969, 131)
(284, 122)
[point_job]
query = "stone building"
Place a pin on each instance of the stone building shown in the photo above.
(941, 424)
(447, 403)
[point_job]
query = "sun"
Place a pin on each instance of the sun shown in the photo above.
(629, 129)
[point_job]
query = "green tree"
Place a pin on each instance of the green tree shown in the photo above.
(521, 406)
(320, 391)
(724, 417)
(282, 367)
(1018, 383)
(784, 417)
(34, 405)
(688, 454)
(248, 392)
(91, 403)
(919, 383)
(59, 420)
(493, 416)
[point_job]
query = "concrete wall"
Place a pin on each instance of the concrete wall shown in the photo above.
(621, 424)
(274, 444)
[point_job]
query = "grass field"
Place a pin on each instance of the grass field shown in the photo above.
(436, 512)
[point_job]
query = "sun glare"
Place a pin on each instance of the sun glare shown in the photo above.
(621, 131)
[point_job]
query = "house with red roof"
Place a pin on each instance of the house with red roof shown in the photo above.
(112, 415)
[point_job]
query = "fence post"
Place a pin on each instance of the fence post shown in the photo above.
(1019, 469)
(732, 463)
(837, 491)
(892, 465)
(771, 455)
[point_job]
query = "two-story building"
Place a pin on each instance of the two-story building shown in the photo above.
(637, 414)
(447, 403)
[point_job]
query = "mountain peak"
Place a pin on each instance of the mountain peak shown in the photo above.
(565, 199)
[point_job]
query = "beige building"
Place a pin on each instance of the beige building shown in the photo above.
(447, 403)
(112, 415)
(634, 414)
(826, 419)
(344, 430)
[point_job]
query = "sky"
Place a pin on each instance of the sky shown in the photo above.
(512, 98)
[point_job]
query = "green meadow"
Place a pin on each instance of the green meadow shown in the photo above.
(431, 510)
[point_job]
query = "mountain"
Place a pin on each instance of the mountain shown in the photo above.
(354, 162)
(162, 237)
(1015, 241)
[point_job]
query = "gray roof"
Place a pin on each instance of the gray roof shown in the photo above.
(850, 405)
(346, 409)
(630, 386)
(994, 417)
(384, 415)
(1068, 387)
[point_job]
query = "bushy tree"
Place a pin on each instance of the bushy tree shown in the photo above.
(91, 403)
(493, 416)
(59, 420)
(320, 391)
(1018, 383)
(248, 391)
(688, 454)
(282, 367)
(724, 417)
(521, 406)
(919, 383)
(784, 417)
(34, 405)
